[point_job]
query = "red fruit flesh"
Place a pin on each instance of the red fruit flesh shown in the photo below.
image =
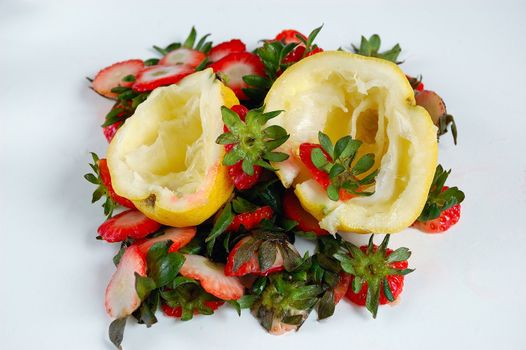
(294, 211)
(183, 55)
(241, 180)
(235, 66)
(179, 237)
(342, 287)
(110, 130)
(155, 76)
(252, 265)
(251, 219)
(111, 77)
(106, 181)
(121, 298)
(305, 155)
(130, 223)
(396, 283)
(224, 49)
(299, 52)
(447, 218)
(289, 36)
(212, 277)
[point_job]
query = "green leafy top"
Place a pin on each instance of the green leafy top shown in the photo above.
(126, 104)
(190, 43)
(273, 54)
(109, 204)
(371, 47)
(440, 199)
(372, 266)
(340, 166)
(252, 144)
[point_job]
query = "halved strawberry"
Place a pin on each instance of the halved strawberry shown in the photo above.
(299, 52)
(121, 297)
(130, 223)
(110, 130)
(305, 155)
(289, 36)
(294, 211)
(178, 310)
(233, 67)
(226, 48)
(447, 218)
(183, 55)
(212, 277)
(251, 219)
(180, 236)
(111, 77)
(252, 265)
(106, 181)
(155, 76)
(341, 287)
(241, 180)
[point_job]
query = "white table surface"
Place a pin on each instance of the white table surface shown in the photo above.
(469, 286)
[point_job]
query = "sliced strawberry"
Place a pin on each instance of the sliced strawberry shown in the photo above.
(111, 77)
(183, 55)
(305, 155)
(152, 77)
(342, 286)
(249, 220)
(121, 297)
(179, 236)
(298, 53)
(212, 277)
(110, 130)
(241, 180)
(252, 265)
(294, 211)
(178, 310)
(131, 223)
(106, 181)
(289, 36)
(447, 218)
(234, 67)
(226, 48)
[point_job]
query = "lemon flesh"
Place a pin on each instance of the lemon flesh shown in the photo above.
(165, 159)
(370, 99)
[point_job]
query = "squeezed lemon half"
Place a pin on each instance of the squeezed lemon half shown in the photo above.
(165, 159)
(370, 99)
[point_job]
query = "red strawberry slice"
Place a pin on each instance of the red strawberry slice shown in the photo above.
(305, 155)
(294, 211)
(212, 277)
(235, 66)
(110, 130)
(249, 220)
(252, 265)
(298, 53)
(396, 283)
(155, 76)
(106, 181)
(226, 48)
(121, 297)
(178, 311)
(183, 55)
(180, 236)
(111, 77)
(341, 287)
(131, 223)
(241, 180)
(289, 36)
(447, 218)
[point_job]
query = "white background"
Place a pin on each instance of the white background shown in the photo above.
(469, 286)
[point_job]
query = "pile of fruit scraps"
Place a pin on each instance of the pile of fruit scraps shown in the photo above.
(244, 255)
